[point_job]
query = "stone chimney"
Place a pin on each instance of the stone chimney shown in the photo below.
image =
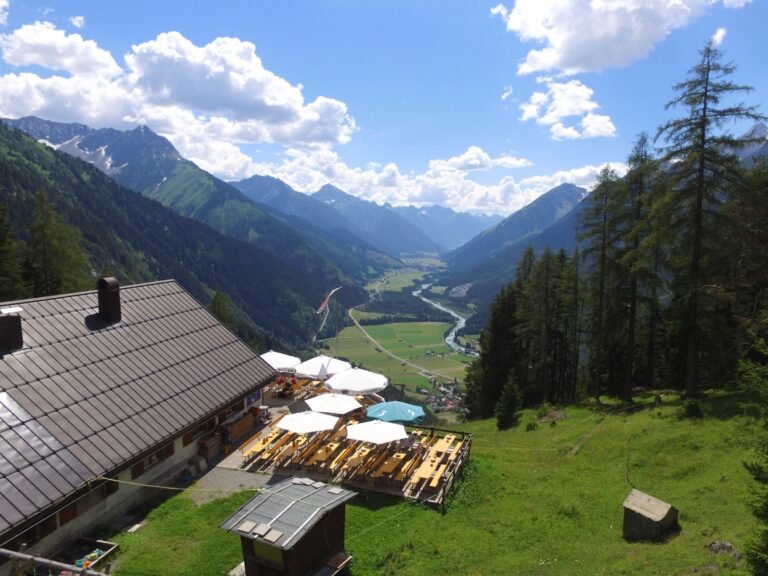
(109, 299)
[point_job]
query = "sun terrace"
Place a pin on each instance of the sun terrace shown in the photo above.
(418, 463)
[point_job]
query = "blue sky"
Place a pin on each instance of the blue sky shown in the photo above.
(480, 106)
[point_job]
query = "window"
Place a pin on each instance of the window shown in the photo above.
(152, 460)
(68, 514)
(193, 435)
(46, 527)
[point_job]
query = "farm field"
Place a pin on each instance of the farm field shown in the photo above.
(397, 281)
(543, 502)
(407, 340)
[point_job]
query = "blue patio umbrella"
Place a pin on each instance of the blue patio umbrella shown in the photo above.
(396, 411)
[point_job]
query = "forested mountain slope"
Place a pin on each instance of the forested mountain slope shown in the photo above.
(381, 226)
(137, 239)
(148, 163)
(526, 222)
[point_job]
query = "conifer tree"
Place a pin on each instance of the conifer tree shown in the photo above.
(753, 376)
(11, 287)
(599, 231)
(702, 170)
(55, 261)
(221, 307)
(510, 402)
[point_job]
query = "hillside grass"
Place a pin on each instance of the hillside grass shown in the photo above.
(544, 502)
(530, 505)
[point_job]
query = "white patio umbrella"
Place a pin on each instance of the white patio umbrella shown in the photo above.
(358, 381)
(280, 362)
(377, 432)
(333, 403)
(320, 367)
(306, 422)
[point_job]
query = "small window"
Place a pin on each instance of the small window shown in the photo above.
(68, 514)
(152, 460)
(46, 527)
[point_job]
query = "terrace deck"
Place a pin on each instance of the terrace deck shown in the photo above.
(422, 467)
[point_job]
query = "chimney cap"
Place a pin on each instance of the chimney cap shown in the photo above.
(108, 283)
(11, 310)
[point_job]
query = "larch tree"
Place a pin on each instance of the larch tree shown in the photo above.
(702, 170)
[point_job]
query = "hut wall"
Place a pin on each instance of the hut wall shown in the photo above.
(257, 565)
(324, 540)
(639, 527)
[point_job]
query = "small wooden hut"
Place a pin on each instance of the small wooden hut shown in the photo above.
(647, 518)
(293, 528)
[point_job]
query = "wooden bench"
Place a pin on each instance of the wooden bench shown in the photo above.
(438, 475)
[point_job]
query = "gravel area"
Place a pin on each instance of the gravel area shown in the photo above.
(220, 482)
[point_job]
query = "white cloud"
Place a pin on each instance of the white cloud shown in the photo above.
(77, 21)
(4, 5)
(206, 99)
(508, 91)
(308, 170)
(45, 45)
(592, 35)
(564, 100)
(561, 132)
(719, 36)
(475, 158)
(511, 162)
(594, 125)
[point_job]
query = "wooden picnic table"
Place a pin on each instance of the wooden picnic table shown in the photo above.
(444, 443)
(262, 444)
(390, 464)
(357, 458)
(426, 469)
(324, 452)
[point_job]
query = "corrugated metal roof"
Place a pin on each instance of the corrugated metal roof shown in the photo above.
(83, 398)
(280, 514)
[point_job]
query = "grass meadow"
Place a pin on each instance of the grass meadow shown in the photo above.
(406, 340)
(541, 502)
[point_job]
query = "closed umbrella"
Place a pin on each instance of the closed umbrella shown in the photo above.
(306, 422)
(320, 367)
(376, 432)
(396, 411)
(333, 403)
(358, 381)
(280, 362)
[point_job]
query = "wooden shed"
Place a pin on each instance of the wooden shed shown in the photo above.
(293, 528)
(647, 518)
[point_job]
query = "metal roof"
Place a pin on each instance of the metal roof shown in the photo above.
(83, 398)
(280, 514)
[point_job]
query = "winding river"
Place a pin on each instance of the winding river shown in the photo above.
(460, 321)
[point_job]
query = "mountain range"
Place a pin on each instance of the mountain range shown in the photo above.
(445, 226)
(384, 227)
(333, 210)
(148, 163)
(137, 239)
(525, 223)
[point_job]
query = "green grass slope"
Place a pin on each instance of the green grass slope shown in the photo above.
(549, 501)
(544, 502)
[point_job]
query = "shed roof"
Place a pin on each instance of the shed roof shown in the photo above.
(280, 514)
(83, 398)
(647, 505)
